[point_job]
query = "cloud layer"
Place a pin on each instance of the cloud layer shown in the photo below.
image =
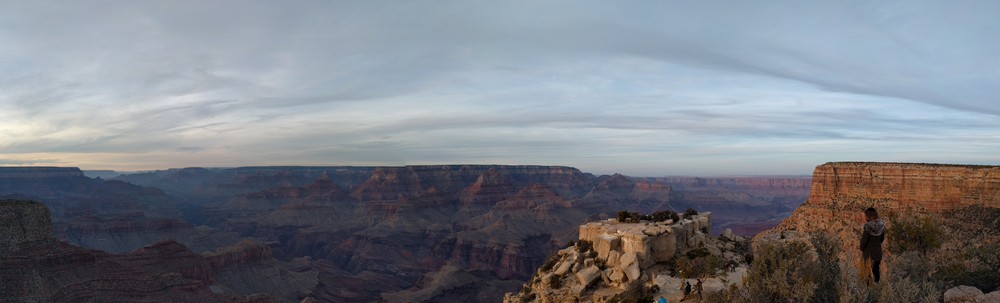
(650, 88)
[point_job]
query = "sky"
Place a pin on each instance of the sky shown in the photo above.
(643, 88)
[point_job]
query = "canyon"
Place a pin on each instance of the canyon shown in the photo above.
(36, 267)
(350, 234)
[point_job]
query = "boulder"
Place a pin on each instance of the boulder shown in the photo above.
(990, 297)
(728, 234)
(634, 241)
(588, 275)
(632, 271)
(627, 259)
(617, 275)
(613, 258)
(563, 268)
(962, 294)
(606, 243)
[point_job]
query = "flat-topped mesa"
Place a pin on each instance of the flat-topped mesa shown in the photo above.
(39, 172)
(930, 187)
(647, 242)
(21, 222)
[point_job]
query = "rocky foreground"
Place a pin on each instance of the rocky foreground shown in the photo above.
(626, 262)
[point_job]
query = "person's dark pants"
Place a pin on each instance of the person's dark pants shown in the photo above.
(876, 272)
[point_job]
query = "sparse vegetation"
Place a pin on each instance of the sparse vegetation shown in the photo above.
(625, 216)
(827, 280)
(698, 263)
(551, 262)
(584, 246)
(914, 232)
(690, 212)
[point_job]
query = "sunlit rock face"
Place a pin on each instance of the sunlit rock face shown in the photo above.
(930, 187)
(841, 191)
(615, 261)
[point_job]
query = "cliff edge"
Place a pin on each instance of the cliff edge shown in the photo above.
(841, 191)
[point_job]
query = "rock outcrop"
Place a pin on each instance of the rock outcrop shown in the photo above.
(611, 261)
(969, 294)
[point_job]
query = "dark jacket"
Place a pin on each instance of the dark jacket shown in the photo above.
(872, 238)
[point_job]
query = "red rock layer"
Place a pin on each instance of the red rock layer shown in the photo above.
(931, 187)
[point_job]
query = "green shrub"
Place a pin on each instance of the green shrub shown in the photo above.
(690, 212)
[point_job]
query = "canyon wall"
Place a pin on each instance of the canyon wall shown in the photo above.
(745, 204)
(930, 187)
(35, 267)
(841, 191)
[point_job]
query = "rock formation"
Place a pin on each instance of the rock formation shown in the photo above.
(613, 260)
(35, 267)
(841, 191)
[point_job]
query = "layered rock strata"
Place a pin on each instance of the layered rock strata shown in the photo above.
(35, 267)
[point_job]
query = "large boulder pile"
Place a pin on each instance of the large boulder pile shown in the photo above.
(611, 260)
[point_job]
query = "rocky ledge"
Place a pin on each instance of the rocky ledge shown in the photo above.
(614, 261)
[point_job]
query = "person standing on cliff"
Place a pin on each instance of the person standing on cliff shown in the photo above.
(871, 241)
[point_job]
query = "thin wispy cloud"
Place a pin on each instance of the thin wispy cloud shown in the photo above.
(653, 88)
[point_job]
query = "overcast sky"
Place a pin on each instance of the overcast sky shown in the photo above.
(644, 88)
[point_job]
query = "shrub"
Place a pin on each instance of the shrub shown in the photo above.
(623, 216)
(583, 245)
(555, 281)
(551, 262)
(781, 272)
(828, 276)
(698, 263)
(690, 212)
(664, 215)
(914, 233)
